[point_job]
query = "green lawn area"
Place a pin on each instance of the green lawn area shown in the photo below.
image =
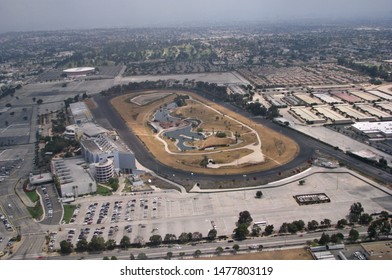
(68, 212)
(36, 212)
(103, 191)
(33, 196)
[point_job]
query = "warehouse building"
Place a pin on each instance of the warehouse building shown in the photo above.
(374, 129)
(73, 177)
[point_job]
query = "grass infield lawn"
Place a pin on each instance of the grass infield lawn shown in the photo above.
(68, 212)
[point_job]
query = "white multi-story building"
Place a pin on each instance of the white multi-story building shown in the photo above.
(102, 148)
(103, 170)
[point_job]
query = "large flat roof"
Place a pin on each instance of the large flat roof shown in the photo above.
(371, 127)
(79, 70)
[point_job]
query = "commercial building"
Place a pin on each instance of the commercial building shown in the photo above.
(307, 115)
(380, 94)
(79, 71)
(40, 179)
(103, 147)
(77, 131)
(103, 170)
(80, 113)
(355, 114)
(370, 109)
(307, 99)
(327, 98)
(73, 177)
(387, 106)
(365, 96)
(334, 116)
(374, 129)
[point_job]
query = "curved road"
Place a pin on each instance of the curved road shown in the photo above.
(106, 113)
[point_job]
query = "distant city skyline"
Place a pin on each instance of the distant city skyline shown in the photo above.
(27, 15)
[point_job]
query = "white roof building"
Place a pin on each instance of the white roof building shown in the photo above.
(373, 129)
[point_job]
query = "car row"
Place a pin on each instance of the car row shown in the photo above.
(103, 212)
(48, 203)
(83, 233)
(116, 212)
(52, 240)
(359, 256)
(89, 216)
(6, 222)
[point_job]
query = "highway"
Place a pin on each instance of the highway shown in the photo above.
(209, 248)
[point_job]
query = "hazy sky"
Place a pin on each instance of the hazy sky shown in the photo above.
(25, 15)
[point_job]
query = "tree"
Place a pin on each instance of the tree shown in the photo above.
(204, 162)
(269, 230)
(125, 242)
(219, 251)
(82, 245)
(365, 219)
(259, 194)
(197, 254)
(197, 236)
(156, 240)
(341, 223)
(326, 222)
(384, 215)
(40, 101)
(244, 218)
(292, 228)
(169, 255)
(337, 238)
(113, 258)
(105, 258)
(379, 227)
(212, 234)
(236, 247)
(97, 243)
(66, 247)
(142, 256)
(284, 228)
(299, 224)
(131, 257)
(324, 239)
(356, 210)
(256, 230)
(184, 237)
(313, 225)
(110, 244)
(169, 238)
(241, 232)
(353, 235)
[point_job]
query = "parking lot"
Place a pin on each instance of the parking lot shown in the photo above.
(141, 215)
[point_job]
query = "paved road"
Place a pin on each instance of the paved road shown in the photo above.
(209, 248)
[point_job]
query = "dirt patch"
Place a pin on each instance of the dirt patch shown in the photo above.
(276, 148)
(292, 254)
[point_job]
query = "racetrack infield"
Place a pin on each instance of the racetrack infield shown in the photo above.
(136, 118)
